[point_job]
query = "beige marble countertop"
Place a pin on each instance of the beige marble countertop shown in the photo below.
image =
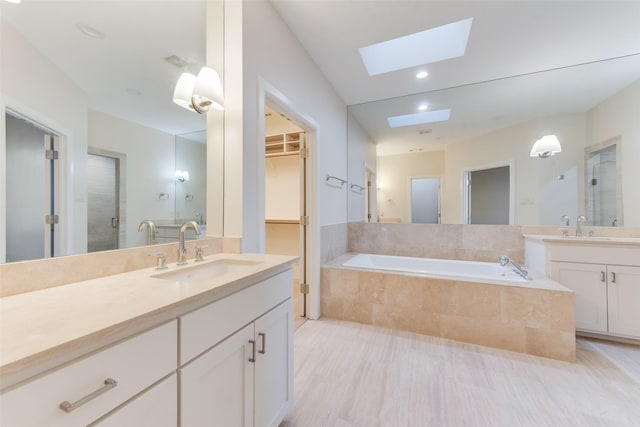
(586, 240)
(46, 328)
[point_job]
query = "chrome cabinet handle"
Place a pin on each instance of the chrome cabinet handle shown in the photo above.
(109, 383)
(252, 359)
(613, 277)
(602, 276)
(264, 343)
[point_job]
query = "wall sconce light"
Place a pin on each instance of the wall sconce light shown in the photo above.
(182, 176)
(199, 93)
(546, 147)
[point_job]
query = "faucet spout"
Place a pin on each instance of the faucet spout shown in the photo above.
(151, 231)
(504, 260)
(579, 222)
(182, 248)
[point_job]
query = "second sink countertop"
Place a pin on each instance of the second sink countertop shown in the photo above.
(45, 328)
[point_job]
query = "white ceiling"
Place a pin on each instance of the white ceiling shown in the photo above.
(123, 74)
(508, 38)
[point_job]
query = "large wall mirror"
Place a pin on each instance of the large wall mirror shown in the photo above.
(91, 137)
(469, 160)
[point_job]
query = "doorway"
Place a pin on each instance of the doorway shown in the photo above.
(371, 201)
(32, 152)
(604, 189)
(103, 202)
(425, 200)
(286, 218)
(487, 196)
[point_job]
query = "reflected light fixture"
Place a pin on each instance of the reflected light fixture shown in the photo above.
(199, 93)
(545, 147)
(422, 75)
(182, 176)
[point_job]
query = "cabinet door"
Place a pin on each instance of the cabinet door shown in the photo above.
(217, 387)
(588, 281)
(274, 365)
(624, 300)
(156, 407)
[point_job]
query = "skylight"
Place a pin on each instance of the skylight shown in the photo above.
(433, 45)
(419, 118)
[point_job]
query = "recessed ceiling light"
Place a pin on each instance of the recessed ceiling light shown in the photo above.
(13, 1)
(423, 107)
(437, 44)
(419, 118)
(422, 75)
(90, 31)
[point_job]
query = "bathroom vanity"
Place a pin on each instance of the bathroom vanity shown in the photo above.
(210, 343)
(604, 273)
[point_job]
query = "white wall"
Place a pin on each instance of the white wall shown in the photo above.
(282, 187)
(260, 48)
(539, 193)
(394, 177)
(619, 116)
(150, 169)
(362, 156)
(192, 157)
(36, 88)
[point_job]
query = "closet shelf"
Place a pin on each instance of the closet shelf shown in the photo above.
(282, 221)
(283, 144)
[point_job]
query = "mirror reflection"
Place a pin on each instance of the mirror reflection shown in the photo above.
(91, 93)
(478, 166)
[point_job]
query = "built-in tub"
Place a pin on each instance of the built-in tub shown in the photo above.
(445, 268)
(474, 302)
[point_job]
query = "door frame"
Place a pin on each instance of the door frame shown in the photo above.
(64, 191)
(512, 188)
(268, 93)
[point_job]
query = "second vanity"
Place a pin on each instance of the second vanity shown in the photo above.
(604, 273)
(210, 343)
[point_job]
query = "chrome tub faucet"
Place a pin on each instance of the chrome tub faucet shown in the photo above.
(504, 260)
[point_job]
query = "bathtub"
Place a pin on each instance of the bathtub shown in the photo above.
(475, 302)
(441, 268)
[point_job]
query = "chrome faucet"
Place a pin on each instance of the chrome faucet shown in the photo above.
(151, 231)
(504, 260)
(579, 222)
(182, 248)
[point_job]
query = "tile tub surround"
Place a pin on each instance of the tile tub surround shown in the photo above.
(537, 321)
(446, 241)
(28, 276)
(333, 241)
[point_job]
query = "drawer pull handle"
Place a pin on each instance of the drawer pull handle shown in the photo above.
(602, 276)
(264, 343)
(252, 359)
(109, 383)
(613, 277)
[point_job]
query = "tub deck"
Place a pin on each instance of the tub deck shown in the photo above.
(535, 317)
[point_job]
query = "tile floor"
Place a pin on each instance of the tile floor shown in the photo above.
(349, 375)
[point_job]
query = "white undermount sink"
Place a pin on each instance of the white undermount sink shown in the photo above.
(206, 271)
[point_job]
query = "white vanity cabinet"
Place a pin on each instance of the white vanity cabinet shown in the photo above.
(605, 277)
(99, 383)
(246, 378)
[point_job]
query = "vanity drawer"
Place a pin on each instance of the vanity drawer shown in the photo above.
(203, 328)
(134, 364)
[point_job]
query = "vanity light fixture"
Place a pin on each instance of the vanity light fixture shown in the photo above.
(199, 93)
(545, 147)
(182, 176)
